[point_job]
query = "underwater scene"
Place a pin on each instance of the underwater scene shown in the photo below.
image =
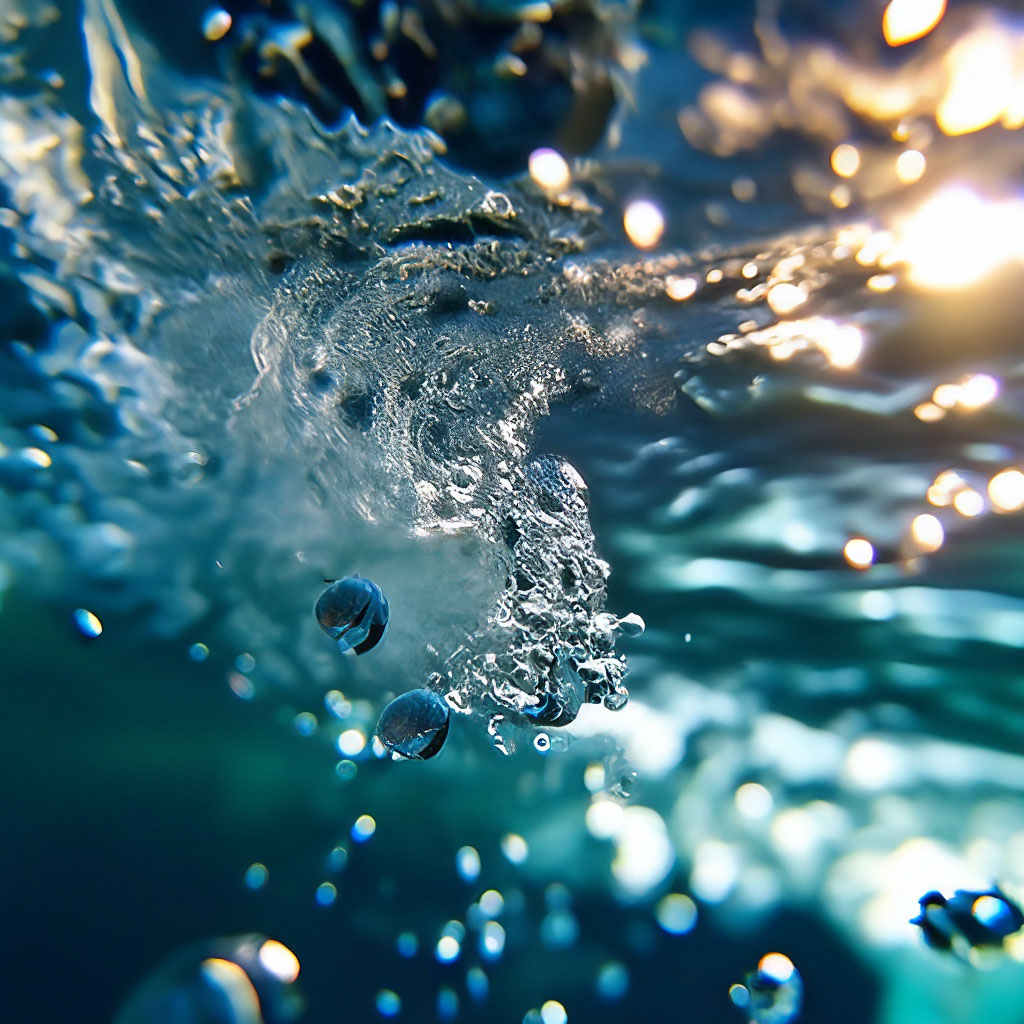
(511, 511)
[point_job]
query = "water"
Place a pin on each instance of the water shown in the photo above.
(250, 348)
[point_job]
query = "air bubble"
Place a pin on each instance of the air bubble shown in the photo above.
(414, 725)
(354, 613)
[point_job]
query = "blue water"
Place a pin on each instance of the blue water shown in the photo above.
(704, 558)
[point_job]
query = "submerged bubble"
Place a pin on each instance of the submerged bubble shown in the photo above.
(415, 724)
(613, 980)
(256, 876)
(968, 920)
(773, 994)
(676, 913)
(447, 1004)
(363, 828)
(88, 623)
(388, 1003)
(354, 613)
(244, 978)
(467, 863)
(326, 893)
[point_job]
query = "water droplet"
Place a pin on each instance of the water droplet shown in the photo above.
(354, 613)
(388, 1003)
(467, 863)
(630, 625)
(447, 1004)
(676, 913)
(447, 949)
(88, 623)
(553, 1012)
(415, 724)
(616, 700)
(477, 984)
(613, 981)
(492, 940)
(514, 848)
(326, 893)
(256, 876)
(363, 828)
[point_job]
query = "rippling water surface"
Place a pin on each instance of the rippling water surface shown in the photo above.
(663, 372)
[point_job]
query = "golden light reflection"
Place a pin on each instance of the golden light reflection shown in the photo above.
(910, 166)
(907, 20)
(873, 248)
(1006, 490)
(644, 223)
(279, 960)
(969, 503)
(859, 553)
(982, 81)
(845, 160)
(216, 24)
(927, 532)
(840, 197)
(977, 390)
(744, 189)
(714, 276)
(776, 966)
(970, 393)
(929, 412)
(957, 238)
(840, 344)
(945, 487)
(680, 288)
(549, 170)
(783, 298)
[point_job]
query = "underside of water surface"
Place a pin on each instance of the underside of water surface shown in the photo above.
(636, 390)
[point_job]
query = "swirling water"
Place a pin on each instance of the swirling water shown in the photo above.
(247, 353)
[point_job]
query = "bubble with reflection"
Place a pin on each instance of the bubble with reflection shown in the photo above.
(354, 613)
(415, 724)
(87, 623)
(968, 920)
(772, 994)
(243, 979)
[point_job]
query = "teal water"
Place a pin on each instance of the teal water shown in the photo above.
(248, 348)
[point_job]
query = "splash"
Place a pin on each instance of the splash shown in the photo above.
(266, 342)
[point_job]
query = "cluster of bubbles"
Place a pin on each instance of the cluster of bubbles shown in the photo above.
(771, 994)
(968, 922)
(447, 319)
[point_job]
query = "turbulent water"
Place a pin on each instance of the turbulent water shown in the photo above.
(252, 344)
